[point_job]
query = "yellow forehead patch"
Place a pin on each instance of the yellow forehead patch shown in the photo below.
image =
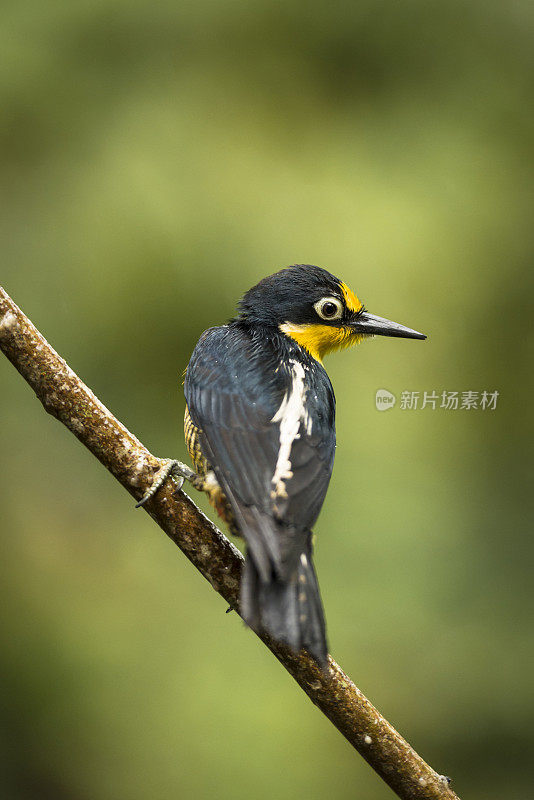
(351, 301)
(319, 340)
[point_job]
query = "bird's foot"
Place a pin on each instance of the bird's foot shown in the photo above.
(176, 470)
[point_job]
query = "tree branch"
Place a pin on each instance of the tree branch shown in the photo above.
(68, 399)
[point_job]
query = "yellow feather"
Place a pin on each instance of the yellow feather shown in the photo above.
(319, 340)
(351, 301)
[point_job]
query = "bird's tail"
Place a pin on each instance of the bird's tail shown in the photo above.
(288, 608)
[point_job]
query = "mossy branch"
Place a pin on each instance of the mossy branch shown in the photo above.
(68, 399)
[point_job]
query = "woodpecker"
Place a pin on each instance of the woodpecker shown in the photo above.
(260, 430)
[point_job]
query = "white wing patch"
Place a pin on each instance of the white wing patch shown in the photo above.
(290, 415)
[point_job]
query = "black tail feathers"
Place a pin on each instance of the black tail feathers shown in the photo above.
(289, 609)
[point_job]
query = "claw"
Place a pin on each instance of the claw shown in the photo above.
(179, 483)
(172, 468)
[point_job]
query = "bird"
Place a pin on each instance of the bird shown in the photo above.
(260, 430)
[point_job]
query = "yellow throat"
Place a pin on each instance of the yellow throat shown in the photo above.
(319, 340)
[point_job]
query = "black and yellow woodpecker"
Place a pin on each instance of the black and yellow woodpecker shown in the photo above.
(260, 429)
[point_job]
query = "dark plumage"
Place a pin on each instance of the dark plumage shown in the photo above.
(260, 428)
(235, 383)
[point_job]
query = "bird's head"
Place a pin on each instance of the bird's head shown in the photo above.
(315, 309)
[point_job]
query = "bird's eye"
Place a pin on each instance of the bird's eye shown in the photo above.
(329, 308)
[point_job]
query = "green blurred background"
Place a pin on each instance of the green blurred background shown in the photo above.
(157, 160)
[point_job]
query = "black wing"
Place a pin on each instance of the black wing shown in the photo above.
(235, 385)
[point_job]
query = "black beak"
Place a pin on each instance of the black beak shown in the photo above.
(372, 325)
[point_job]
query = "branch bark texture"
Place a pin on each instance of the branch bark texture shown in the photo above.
(67, 398)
